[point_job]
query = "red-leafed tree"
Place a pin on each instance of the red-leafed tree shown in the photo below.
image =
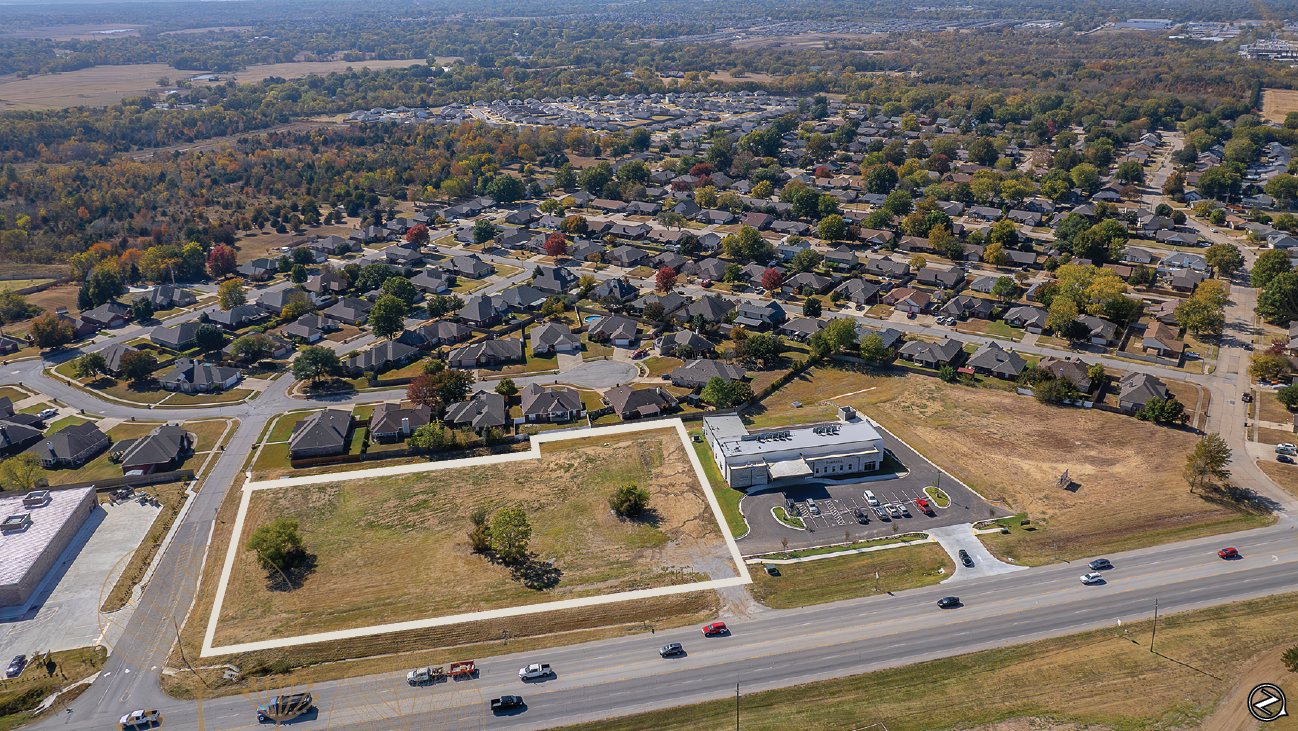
(772, 278)
(822, 172)
(556, 244)
(939, 164)
(666, 279)
(222, 261)
(417, 235)
(701, 170)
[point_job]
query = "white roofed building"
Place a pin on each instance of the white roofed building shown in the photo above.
(852, 445)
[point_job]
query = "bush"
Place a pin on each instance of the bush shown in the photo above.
(629, 501)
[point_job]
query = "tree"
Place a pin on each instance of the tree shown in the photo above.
(506, 189)
(723, 394)
(18, 473)
(1086, 177)
(50, 331)
(231, 295)
(759, 348)
(252, 347)
(732, 273)
(1269, 264)
(1063, 310)
(387, 317)
(1005, 233)
(296, 304)
(1288, 396)
(1130, 172)
(748, 245)
(277, 545)
(1160, 411)
(315, 363)
(1225, 259)
(1284, 188)
(1268, 366)
(654, 312)
(440, 389)
(208, 337)
(629, 500)
(840, 334)
(222, 261)
(510, 533)
(483, 231)
(507, 388)
(873, 350)
(1198, 315)
(812, 307)
(1278, 301)
(665, 279)
(771, 279)
(298, 275)
(806, 260)
(995, 254)
(104, 284)
(1004, 289)
(480, 532)
(575, 225)
(90, 365)
(417, 235)
(138, 366)
(402, 289)
(556, 245)
(832, 228)
(142, 308)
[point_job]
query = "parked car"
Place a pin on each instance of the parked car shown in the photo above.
(535, 670)
(16, 667)
(947, 602)
(883, 514)
(871, 500)
(671, 650)
(965, 558)
(507, 703)
(905, 511)
(924, 505)
(860, 516)
(716, 628)
(812, 507)
(706, 283)
(893, 510)
(1100, 564)
(1284, 458)
(1286, 448)
(47, 414)
(1246, 398)
(1228, 553)
(139, 719)
(1092, 578)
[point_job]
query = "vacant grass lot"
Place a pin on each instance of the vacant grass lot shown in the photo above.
(395, 549)
(1012, 449)
(37, 682)
(847, 577)
(1269, 407)
(1106, 677)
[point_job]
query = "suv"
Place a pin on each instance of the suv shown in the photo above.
(16, 667)
(1286, 449)
(286, 707)
(871, 500)
(812, 507)
(860, 516)
(716, 628)
(671, 650)
(965, 558)
(47, 413)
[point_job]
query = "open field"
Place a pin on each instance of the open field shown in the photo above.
(363, 535)
(17, 696)
(73, 32)
(848, 577)
(1012, 449)
(1276, 103)
(1086, 678)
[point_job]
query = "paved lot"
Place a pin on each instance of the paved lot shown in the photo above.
(64, 613)
(837, 499)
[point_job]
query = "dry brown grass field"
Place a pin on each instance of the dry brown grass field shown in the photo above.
(1127, 473)
(1276, 103)
(395, 549)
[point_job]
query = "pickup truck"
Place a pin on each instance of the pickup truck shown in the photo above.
(535, 670)
(506, 703)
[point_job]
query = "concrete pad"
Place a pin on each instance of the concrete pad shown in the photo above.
(63, 614)
(953, 538)
(568, 362)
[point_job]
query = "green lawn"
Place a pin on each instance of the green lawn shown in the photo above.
(272, 457)
(727, 496)
(224, 397)
(845, 577)
(65, 422)
(15, 395)
(208, 433)
(99, 468)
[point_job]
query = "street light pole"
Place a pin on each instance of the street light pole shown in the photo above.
(736, 705)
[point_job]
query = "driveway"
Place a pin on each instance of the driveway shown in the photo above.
(954, 538)
(838, 498)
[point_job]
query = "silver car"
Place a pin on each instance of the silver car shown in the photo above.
(893, 510)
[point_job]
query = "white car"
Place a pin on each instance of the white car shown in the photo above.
(871, 500)
(893, 510)
(1286, 448)
(1092, 578)
(47, 413)
(140, 719)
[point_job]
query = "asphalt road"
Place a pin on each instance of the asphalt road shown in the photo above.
(781, 648)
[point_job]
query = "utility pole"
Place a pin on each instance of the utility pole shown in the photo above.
(736, 705)
(1153, 633)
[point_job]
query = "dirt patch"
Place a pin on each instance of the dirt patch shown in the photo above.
(1232, 713)
(1276, 103)
(396, 549)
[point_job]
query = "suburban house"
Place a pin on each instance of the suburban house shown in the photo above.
(759, 315)
(806, 282)
(166, 296)
(931, 355)
(619, 289)
(905, 299)
(393, 422)
(801, 328)
(542, 404)
(400, 256)
(710, 307)
(520, 298)
(1074, 370)
(983, 284)
(1183, 260)
(1162, 340)
(349, 310)
(627, 256)
(1103, 332)
(697, 373)
(1184, 280)
(442, 332)
(486, 352)
(326, 283)
(697, 345)
(178, 337)
(483, 410)
(430, 282)
(237, 317)
(634, 403)
(968, 306)
(320, 434)
(478, 311)
(552, 337)
(161, 450)
(113, 356)
(1031, 319)
(190, 376)
(555, 280)
(259, 270)
(16, 437)
(859, 291)
(384, 355)
(993, 360)
(1137, 389)
(620, 331)
(671, 302)
(71, 446)
(275, 302)
(940, 276)
(107, 315)
(469, 266)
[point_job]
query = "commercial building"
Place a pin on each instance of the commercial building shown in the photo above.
(33, 535)
(852, 445)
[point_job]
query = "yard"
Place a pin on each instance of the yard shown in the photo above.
(848, 577)
(1269, 408)
(992, 328)
(362, 535)
(1012, 449)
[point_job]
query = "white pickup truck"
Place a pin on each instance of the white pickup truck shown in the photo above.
(535, 670)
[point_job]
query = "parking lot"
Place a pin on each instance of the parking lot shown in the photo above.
(834, 517)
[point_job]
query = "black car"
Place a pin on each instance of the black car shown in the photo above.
(1284, 458)
(16, 667)
(1100, 564)
(506, 703)
(1246, 398)
(965, 559)
(860, 516)
(671, 650)
(947, 602)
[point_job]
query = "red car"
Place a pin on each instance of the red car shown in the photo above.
(716, 628)
(1228, 553)
(706, 283)
(924, 505)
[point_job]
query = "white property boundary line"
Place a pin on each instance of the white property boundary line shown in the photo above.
(534, 453)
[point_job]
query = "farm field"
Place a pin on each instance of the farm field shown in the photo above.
(1012, 449)
(394, 549)
(1276, 103)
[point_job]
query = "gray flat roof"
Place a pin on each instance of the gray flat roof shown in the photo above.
(19, 551)
(795, 439)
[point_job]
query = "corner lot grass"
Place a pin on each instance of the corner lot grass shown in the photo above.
(200, 399)
(394, 549)
(847, 577)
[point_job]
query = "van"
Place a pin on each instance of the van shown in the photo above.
(871, 500)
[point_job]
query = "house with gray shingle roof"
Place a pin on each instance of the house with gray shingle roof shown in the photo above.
(483, 410)
(320, 434)
(991, 359)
